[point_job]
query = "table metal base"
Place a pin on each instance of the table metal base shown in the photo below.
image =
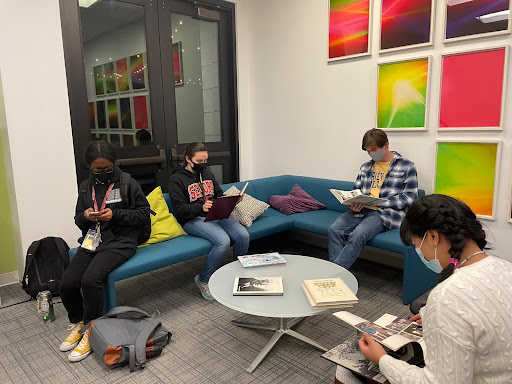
(283, 328)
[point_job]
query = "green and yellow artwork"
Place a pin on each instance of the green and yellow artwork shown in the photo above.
(110, 79)
(467, 171)
(402, 94)
(98, 80)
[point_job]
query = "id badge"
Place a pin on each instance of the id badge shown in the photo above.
(91, 240)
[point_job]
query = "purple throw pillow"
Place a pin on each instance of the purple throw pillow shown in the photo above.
(297, 201)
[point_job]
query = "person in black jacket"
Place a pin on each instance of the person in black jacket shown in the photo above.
(192, 189)
(110, 236)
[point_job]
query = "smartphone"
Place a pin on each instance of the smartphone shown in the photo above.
(94, 214)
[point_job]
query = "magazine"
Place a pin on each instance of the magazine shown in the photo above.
(258, 286)
(348, 355)
(356, 196)
(261, 259)
(389, 330)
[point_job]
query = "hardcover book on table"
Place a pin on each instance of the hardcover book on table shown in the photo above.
(258, 286)
(261, 259)
(328, 293)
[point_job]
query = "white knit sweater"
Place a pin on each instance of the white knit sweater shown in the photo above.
(467, 327)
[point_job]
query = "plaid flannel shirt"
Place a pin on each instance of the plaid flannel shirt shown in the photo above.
(400, 187)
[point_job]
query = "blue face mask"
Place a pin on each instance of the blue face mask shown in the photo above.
(433, 265)
(378, 156)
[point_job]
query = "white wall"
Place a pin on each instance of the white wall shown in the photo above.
(38, 121)
(311, 115)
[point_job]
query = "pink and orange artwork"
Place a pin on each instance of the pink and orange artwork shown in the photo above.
(349, 28)
(405, 23)
(472, 90)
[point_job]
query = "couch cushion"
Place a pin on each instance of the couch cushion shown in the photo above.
(297, 201)
(315, 221)
(247, 210)
(269, 224)
(164, 225)
(389, 240)
(161, 255)
(319, 189)
(268, 186)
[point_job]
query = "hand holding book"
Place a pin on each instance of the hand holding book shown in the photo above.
(371, 349)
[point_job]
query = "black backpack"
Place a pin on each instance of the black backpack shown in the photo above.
(144, 231)
(45, 264)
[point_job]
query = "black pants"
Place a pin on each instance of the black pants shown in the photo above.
(87, 271)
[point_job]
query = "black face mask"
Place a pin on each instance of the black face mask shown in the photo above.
(198, 167)
(103, 177)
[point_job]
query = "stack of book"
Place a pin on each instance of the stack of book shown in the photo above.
(328, 293)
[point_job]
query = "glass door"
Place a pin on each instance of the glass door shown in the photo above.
(151, 76)
(199, 91)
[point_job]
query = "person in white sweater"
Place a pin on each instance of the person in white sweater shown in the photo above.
(467, 321)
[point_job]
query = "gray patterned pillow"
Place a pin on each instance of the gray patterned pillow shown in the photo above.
(248, 209)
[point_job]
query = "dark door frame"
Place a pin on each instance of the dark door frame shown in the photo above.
(161, 121)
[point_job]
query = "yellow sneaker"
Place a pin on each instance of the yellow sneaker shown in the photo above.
(73, 338)
(82, 350)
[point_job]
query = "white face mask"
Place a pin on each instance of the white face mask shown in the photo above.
(433, 265)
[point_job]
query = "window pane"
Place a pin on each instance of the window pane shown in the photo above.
(196, 79)
(114, 46)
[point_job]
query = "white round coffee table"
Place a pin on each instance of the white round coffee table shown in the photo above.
(290, 308)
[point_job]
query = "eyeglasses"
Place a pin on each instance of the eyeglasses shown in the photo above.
(108, 169)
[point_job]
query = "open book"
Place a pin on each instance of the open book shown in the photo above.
(389, 330)
(223, 206)
(356, 196)
(348, 355)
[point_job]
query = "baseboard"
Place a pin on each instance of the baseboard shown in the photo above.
(9, 278)
(381, 256)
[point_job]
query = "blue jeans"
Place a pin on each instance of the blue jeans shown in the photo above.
(220, 233)
(356, 232)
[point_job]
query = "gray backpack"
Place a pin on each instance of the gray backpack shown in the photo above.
(127, 335)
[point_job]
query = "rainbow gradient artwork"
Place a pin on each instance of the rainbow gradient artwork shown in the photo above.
(467, 19)
(349, 28)
(405, 23)
(126, 113)
(177, 63)
(110, 80)
(467, 171)
(113, 118)
(100, 113)
(92, 116)
(122, 75)
(402, 94)
(137, 70)
(98, 80)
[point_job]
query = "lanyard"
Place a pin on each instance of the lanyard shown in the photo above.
(469, 257)
(104, 200)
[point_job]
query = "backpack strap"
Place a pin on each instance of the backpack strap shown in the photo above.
(125, 309)
(31, 252)
(125, 187)
(142, 339)
(84, 186)
(63, 248)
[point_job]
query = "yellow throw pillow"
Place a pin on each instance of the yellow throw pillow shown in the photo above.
(163, 225)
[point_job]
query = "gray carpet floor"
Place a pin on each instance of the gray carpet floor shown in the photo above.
(205, 346)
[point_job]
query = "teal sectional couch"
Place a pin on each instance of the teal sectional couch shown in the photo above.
(417, 279)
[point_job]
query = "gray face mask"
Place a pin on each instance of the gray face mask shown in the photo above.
(378, 156)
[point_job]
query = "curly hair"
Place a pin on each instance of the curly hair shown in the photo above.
(450, 217)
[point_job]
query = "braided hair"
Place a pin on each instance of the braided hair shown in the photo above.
(450, 217)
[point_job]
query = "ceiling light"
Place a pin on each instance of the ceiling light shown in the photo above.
(493, 17)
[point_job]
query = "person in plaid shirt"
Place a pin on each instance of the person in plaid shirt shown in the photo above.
(387, 175)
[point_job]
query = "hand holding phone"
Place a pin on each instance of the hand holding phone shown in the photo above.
(94, 214)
